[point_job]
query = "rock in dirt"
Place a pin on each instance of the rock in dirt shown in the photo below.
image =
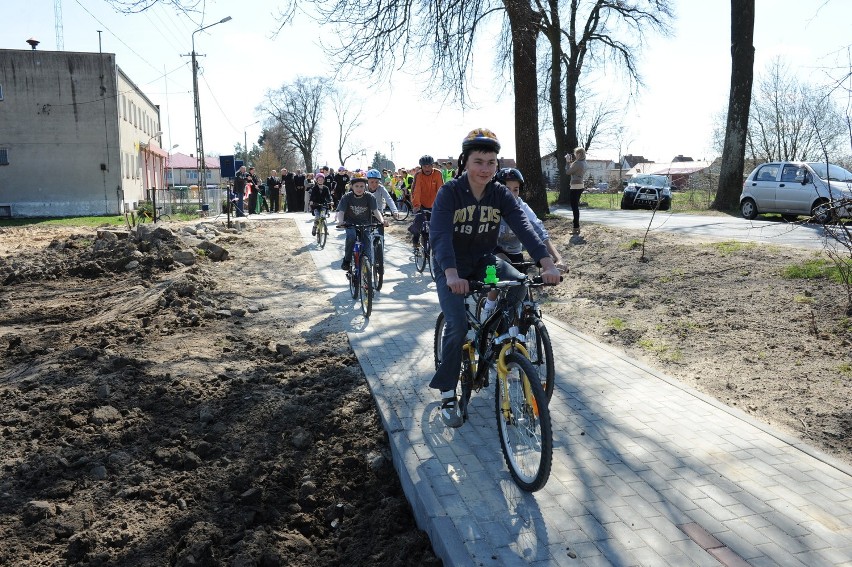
(214, 251)
(37, 510)
(185, 257)
(105, 414)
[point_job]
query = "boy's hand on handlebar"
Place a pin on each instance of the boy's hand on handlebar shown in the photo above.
(551, 275)
(457, 285)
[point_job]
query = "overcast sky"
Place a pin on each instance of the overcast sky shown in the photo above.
(686, 76)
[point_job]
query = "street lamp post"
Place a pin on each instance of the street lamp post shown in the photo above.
(199, 139)
(245, 142)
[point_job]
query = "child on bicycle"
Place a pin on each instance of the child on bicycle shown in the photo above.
(319, 196)
(381, 194)
(509, 246)
(465, 223)
(356, 207)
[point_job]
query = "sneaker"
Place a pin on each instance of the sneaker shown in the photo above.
(450, 414)
(344, 265)
(314, 230)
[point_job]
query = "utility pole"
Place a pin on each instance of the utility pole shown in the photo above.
(199, 138)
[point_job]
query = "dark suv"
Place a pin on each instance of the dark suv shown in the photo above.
(647, 192)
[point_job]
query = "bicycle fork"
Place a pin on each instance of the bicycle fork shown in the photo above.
(502, 376)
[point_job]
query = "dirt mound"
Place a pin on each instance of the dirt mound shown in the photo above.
(161, 408)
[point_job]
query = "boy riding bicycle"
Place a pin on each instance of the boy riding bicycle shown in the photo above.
(465, 223)
(356, 207)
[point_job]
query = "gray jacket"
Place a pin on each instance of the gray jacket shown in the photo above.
(577, 171)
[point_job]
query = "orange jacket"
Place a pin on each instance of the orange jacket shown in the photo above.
(425, 188)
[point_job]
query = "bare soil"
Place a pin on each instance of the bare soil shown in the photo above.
(159, 413)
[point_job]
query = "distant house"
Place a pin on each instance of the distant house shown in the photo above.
(77, 136)
(680, 170)
(182, 169)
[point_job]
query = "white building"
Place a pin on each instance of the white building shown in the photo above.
(77, 136)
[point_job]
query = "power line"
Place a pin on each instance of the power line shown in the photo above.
(117, 37)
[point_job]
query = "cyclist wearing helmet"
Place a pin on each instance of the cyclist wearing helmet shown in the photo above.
(465, 223)
(357, 206)
(426, 184)
(507, 241)
(509, 246)
(381, 194)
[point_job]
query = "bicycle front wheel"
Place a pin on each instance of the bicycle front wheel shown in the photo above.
(366, 290)
(523, 421)
(378, 265)
(322, 233)
(420, 257)
(428, 255)
(540, 350)
(352, 276)
(404, 209)
(439, 339)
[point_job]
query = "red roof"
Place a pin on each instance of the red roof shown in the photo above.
(182, 161)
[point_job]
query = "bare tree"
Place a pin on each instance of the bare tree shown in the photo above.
(792, 120)
(297, 107)
(275, 140)
(439, 37)
(739, 102)
(611, 30)
(348, 116)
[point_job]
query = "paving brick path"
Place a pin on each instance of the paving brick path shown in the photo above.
(646, 471)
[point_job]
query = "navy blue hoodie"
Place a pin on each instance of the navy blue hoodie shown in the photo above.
(463, 230)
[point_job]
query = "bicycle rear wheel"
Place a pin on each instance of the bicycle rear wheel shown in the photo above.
(378, 265)
(523, 421)
(540, 350)
(366, 290)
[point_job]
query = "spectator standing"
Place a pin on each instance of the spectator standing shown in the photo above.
(298, 192)
(577, 170)
(288, 179)
(273, 184)
(241, 179)
(341, 180)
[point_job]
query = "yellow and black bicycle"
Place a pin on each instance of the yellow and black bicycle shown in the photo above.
(495, 348)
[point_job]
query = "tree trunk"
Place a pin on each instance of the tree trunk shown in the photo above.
(739, 102)
(524, 25)
(555, 39)
(571, 141)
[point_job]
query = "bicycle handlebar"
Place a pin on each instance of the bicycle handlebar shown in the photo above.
(476, 286)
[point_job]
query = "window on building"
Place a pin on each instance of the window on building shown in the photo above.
(4, 156)
(1, 92)
(192, 174)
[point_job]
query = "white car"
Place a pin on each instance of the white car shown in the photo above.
(798, 188)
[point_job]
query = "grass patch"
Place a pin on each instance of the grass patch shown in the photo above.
(729, 247)
(68, 221)
(802, 299)
(617, 324)
(632, 244)
(657, 347)
(815, 268)
(845, 369)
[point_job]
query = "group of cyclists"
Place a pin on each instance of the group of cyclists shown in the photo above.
(476, 219)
